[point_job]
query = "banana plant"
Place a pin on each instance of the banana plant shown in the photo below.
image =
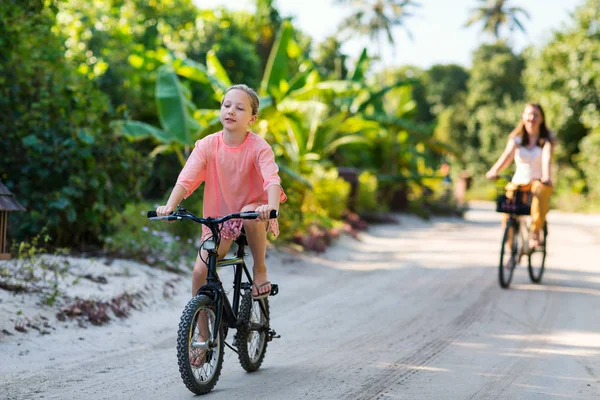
(296, 114)
(179, 118)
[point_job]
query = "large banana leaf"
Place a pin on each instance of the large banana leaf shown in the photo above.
(174, 107)
(294, 175)
(301, 78)
(377, 96)
(140, 130)
(327, 91)
(216, 70)
(362, 66)
(214, 75)
(277, 65)
(344, 140)
(356, 124)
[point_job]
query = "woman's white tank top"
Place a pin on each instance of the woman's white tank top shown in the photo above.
(528, 162)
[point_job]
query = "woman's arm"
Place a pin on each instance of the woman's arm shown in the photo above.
(546, 163)
(504, 161)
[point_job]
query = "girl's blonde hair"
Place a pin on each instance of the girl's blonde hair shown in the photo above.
(254, 101)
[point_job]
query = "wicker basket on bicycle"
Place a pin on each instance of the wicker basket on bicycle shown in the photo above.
(519, 203)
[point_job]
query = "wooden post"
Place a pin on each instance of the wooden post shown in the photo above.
(3, 224)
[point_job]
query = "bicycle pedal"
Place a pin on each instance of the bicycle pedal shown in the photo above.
(274, 289)
(273, 335)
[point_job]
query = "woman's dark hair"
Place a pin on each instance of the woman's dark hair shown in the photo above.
(544, 135)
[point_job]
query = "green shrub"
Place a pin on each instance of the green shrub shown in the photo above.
(329, 196)
(367, 193)
(318, 207)
(62, 163)
(291, 217)
(589, 160)
(151, 242)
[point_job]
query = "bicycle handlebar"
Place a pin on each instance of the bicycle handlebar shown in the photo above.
(184, 214)
(506, 177)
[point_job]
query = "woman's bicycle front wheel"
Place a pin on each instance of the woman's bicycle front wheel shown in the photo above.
(252, 334)
(508, 253)
(200, 361)
(537, 258)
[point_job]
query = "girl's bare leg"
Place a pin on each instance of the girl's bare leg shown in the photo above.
(256, 233)
(198, 279)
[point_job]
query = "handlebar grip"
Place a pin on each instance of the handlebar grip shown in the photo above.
(253, 214)
(152, 214)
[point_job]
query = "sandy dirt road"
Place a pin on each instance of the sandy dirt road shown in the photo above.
(412, 311)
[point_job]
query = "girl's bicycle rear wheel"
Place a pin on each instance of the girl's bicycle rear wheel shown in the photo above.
(508, 253)
(252, 334)
(537, 259)
(200, 361)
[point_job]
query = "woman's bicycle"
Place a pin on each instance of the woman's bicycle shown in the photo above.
(515, 241)
(209, 315)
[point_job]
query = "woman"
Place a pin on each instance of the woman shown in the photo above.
(530, 146)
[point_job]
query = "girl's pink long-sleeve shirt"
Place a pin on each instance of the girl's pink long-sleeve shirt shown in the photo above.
(233, 176)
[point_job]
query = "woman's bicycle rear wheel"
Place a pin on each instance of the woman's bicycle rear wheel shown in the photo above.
(508, 253)
(200, 361)
(537, 259)
(252, 334)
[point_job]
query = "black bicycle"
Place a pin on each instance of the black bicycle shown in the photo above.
(515, 241)
(209, 315)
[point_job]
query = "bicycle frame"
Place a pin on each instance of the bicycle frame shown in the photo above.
(226, 311)
(213, 288)
(522, 230)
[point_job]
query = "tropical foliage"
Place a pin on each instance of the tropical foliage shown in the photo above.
(496, 14)
(102, 105)
(376, 19)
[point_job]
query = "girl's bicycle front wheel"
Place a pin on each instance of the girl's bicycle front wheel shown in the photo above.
(537, 258)
(508, 253)
(200, 360)
(252, 334)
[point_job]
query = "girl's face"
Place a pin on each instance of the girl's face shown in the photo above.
(236, 111)
(532, 118)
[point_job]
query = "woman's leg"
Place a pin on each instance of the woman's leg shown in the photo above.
(256, 233)
(540, 204)
(510, 189)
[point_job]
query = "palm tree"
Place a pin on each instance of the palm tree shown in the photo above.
(497, 13)
(268, 22)
(375, 18)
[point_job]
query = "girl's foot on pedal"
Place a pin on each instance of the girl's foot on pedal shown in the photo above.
(261, 287)
(534, 241)
(197, 357)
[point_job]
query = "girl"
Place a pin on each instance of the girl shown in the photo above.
(530, 145)
(240, 174)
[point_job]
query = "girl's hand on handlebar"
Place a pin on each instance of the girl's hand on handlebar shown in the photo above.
(264, 211)
(163, 211)
(491, 175)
